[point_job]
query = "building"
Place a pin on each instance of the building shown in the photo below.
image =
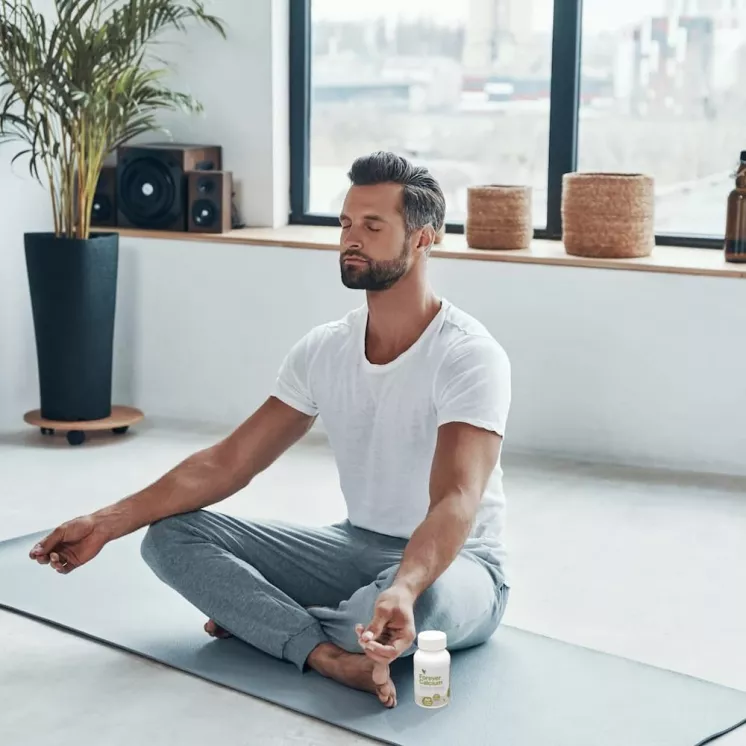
(724, 13)
(705, 7)
(682, 63)
(495, 31)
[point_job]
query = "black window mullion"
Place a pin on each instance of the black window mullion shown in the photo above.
(564, 106)
(300, 108)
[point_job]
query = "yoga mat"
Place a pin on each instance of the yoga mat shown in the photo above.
(519, 689)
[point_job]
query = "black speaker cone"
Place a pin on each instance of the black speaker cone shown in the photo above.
(147, 192)
(204, 213)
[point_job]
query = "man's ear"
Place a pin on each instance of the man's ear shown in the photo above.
(426, 239)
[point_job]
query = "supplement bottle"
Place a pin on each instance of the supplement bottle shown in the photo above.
(432, 670)
(735, 231)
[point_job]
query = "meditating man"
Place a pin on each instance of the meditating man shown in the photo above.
(414, 395)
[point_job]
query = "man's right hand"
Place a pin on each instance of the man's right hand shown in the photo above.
(71, 545)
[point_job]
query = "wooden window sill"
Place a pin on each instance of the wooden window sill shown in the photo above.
(665, 259)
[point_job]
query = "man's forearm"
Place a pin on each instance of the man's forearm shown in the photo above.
(436, 543)
(195, 483)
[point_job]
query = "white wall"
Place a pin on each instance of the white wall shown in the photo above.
(24, 207)
(629, 367)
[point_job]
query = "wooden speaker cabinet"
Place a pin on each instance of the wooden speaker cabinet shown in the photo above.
(209, 201)
(152, 183)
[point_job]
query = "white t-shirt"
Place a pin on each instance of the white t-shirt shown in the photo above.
(382, 420)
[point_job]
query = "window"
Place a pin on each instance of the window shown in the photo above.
(499, 91)
(661, 94)
(463, 88)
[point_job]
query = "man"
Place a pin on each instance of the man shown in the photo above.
(414, 394)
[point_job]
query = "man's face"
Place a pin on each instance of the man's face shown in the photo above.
(375, 249)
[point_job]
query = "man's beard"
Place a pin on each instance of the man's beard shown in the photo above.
(375, 275)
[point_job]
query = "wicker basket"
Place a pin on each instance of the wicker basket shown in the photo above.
(499, 217)
(608, 215)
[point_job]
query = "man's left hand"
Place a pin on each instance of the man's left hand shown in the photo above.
(391, 631)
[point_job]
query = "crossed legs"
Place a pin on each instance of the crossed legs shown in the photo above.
(297, 593)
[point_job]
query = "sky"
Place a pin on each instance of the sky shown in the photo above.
(598, 14)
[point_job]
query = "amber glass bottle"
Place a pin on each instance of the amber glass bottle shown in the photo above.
(735, 230)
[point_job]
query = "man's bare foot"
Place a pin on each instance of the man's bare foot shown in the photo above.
(356, 671)
(215, 630)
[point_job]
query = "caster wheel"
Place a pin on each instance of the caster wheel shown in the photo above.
(76, 437)
(120, 430)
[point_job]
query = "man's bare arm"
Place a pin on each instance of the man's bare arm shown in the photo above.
(465, 456)
(213, 474)
(464, 459)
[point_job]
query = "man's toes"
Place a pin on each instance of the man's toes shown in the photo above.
(387, 695)
(385, 688)
(215, 630)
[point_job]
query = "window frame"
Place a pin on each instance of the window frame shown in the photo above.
(563, 122)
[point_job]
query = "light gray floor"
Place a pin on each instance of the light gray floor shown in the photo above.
(642, 564)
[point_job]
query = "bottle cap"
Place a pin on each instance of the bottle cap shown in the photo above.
(432, 641)
(743, 155)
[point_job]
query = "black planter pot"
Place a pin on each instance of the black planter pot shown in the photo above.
(73, 286)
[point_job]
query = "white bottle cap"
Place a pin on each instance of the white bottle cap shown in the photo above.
(432, 641)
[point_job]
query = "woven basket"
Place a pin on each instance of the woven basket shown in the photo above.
(607, 215)
(499, 217)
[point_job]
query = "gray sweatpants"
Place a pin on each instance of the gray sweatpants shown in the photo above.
(285, 589)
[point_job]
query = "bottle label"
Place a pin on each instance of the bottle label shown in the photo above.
(431, 689)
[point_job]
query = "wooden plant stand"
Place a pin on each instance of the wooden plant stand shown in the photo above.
(118, 423)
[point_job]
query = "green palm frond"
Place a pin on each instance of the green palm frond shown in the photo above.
(74, 88)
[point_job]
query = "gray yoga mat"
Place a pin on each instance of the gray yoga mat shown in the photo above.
(519, 689)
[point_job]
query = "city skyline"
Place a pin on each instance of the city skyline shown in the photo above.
(598, 15)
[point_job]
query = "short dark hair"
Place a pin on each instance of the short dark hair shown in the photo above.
(423, 200)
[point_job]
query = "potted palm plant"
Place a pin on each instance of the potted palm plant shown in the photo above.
(76, 82)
